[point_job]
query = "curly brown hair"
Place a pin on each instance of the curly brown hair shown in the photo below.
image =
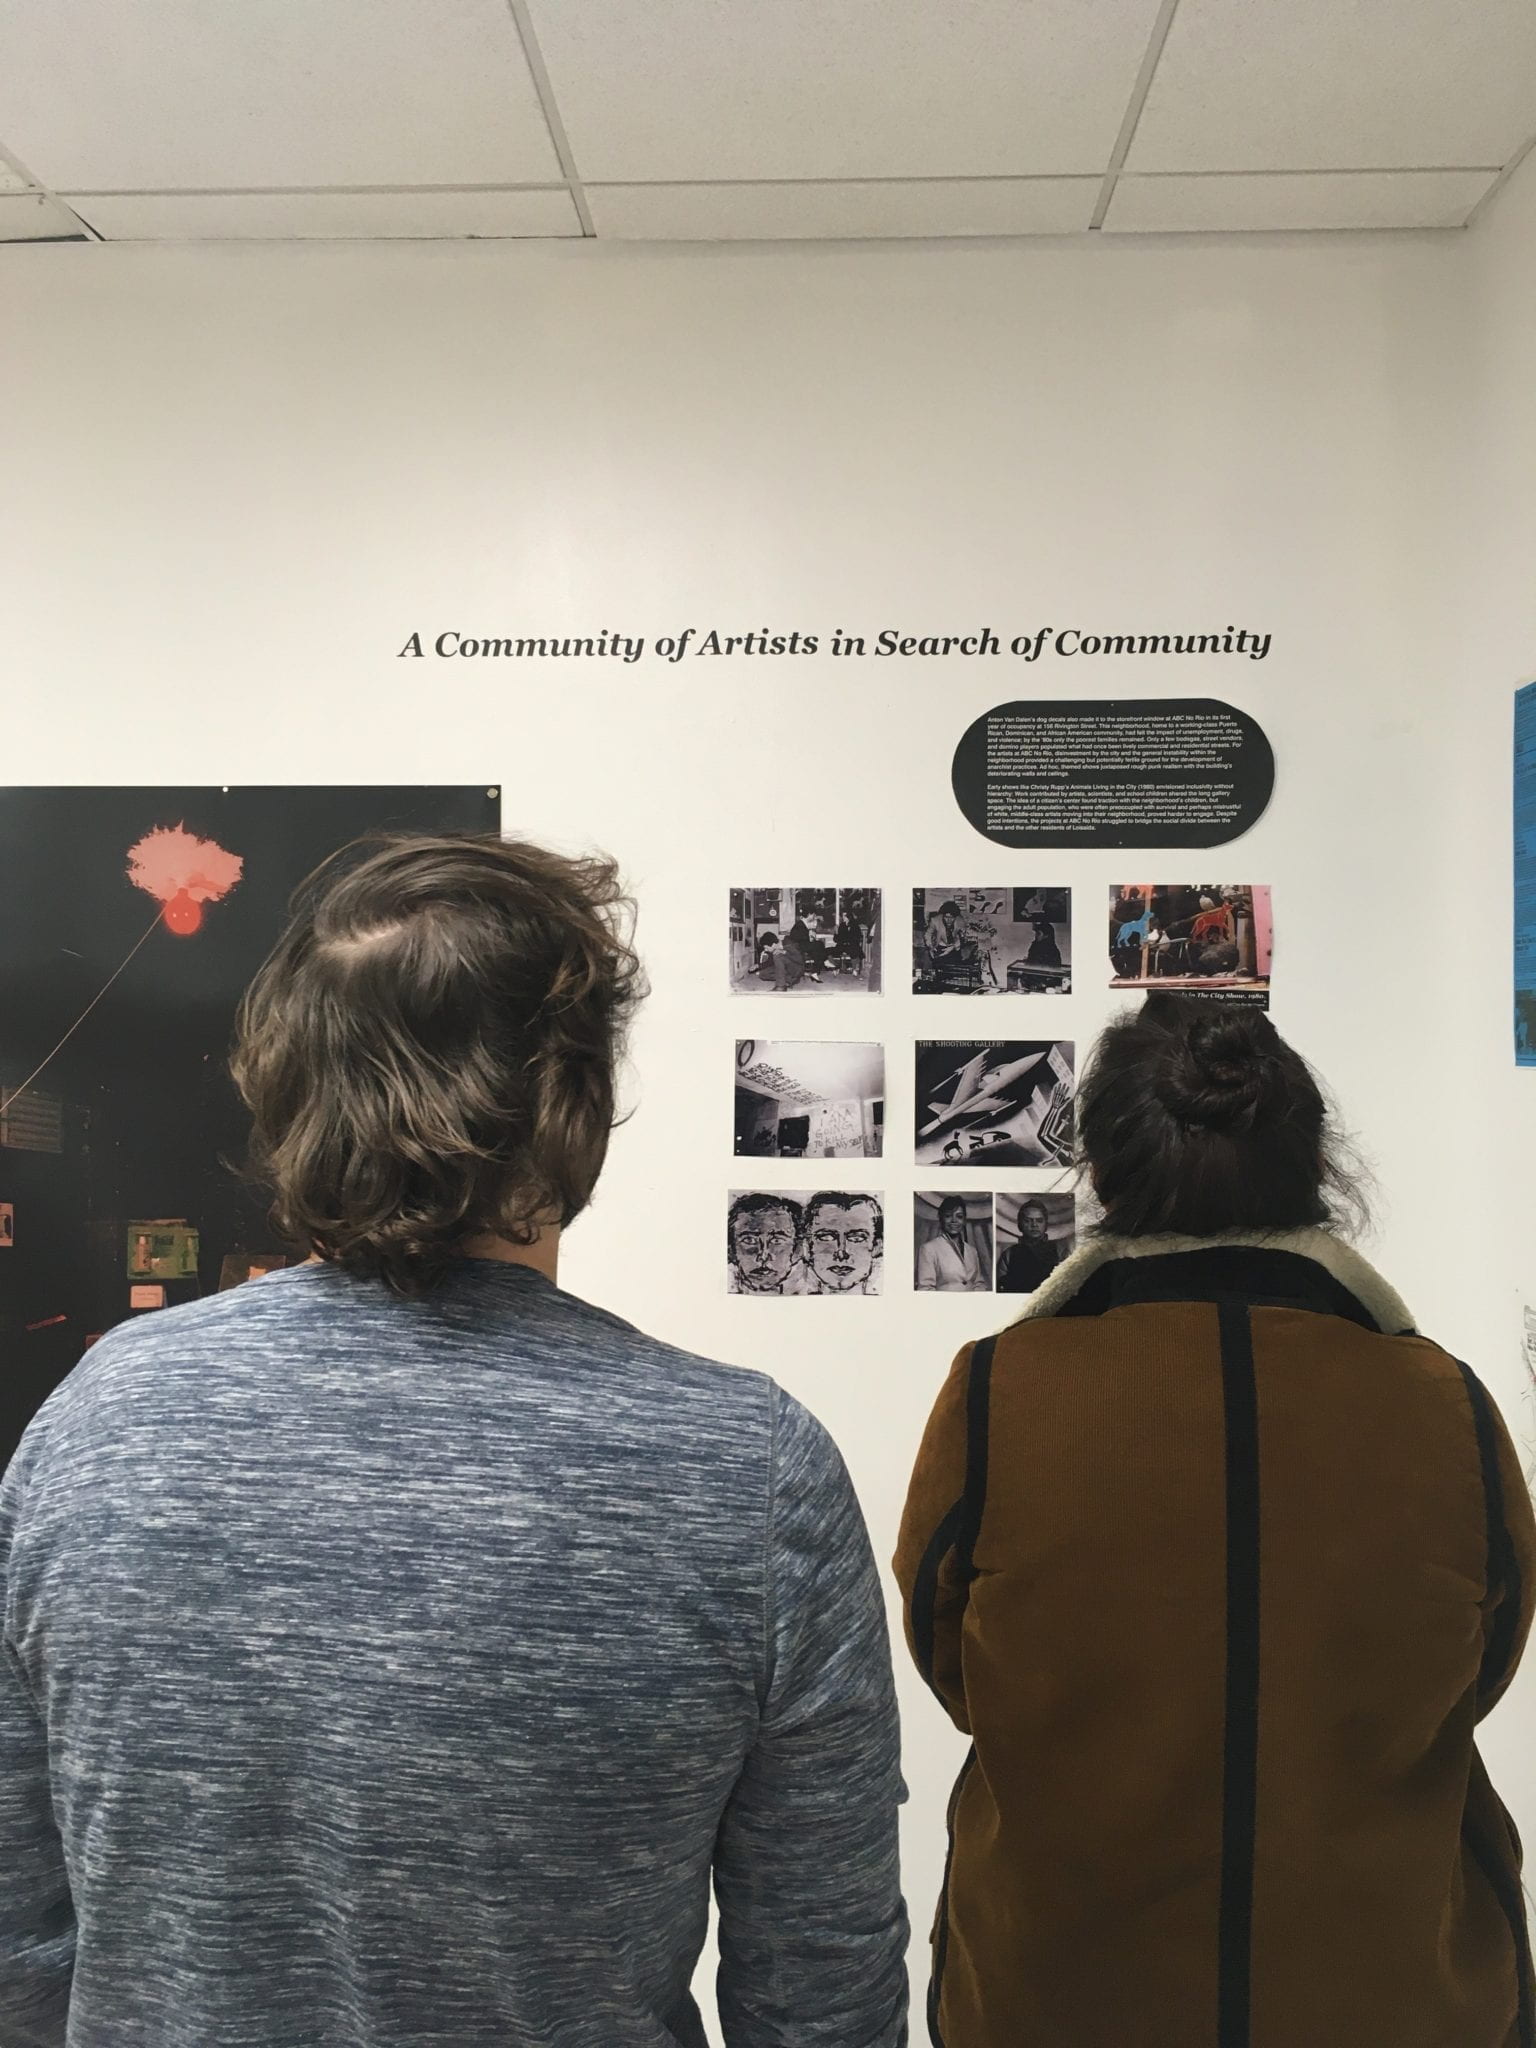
(428, 1054)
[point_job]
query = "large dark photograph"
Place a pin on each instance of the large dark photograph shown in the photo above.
(994, 1102)
(131, 922)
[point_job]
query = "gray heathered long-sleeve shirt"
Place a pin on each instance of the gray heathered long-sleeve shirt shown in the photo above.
(386, 1672)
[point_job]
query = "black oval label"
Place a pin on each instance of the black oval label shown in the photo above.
(1139, 771)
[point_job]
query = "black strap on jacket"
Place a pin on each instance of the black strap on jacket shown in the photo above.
(978, 1421)
(962, 1526)
(1503, 1569)
(1503, 1584)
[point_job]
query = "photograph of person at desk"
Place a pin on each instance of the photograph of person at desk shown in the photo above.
(983, 942)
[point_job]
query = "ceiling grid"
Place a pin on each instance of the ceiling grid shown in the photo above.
(705, 120)
(29, 212)
(1503, 177)
(1139, 92)
(557, 135)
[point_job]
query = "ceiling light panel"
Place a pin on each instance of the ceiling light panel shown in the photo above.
(96, 96)
(708, 90)
(1340, 85)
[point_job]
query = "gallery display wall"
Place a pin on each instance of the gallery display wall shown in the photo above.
(239, 479)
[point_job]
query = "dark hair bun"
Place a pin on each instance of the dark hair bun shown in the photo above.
(1222, 1064)
(1194, 1117)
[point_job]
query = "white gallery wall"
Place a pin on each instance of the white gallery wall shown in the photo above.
(235, 479)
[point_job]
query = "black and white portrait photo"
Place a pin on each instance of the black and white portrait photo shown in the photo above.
(952, 1243)
(994, 1102)
(802, 1100)
(1034, 1234)
(805, 941)
(991, 942)
(780, 1242)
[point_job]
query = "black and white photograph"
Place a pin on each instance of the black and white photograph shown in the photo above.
(991, 942)
(1035, 1233)
(802, 1100)
(994, 1102)
(780, 1241)
(805, 942)
(952, 1243)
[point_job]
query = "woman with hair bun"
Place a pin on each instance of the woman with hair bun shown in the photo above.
(1220, 1563)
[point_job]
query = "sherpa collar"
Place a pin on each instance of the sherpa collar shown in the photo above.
(1340, 1260)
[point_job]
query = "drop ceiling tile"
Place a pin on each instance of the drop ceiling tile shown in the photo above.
(97, 96)
(700, 90)
(1316, 199)
(1340, 85)
(326, 216)
(908, 207)
(29, 217)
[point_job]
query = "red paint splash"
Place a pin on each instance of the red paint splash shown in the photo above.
(183, 872)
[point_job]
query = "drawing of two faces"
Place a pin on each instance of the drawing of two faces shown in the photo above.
(828, 1244)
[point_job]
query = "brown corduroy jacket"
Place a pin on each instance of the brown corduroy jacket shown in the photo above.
(1219, 1565)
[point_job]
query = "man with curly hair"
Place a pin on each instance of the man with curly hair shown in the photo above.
(397, 1648)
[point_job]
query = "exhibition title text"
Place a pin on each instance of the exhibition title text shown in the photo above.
(890, 642)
